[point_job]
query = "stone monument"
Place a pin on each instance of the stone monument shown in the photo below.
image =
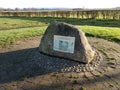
(66, 41)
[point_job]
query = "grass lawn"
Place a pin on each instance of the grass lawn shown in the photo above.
(10, 36)
(109, 33)
(23, 22)
(18, 22)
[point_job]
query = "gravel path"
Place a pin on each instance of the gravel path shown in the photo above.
(22, 60)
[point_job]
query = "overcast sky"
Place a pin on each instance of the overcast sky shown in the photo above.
(59, 3)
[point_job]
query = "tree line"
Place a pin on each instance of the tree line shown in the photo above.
(82, 14)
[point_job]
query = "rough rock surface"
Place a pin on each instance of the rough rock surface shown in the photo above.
(82, 50)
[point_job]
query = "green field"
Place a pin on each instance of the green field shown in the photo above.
(15, 22)
(10, 36)
(109, 33)
(21, 22)
(16, 28)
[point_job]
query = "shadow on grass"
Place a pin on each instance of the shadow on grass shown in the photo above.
(18, 65)
(74, 21)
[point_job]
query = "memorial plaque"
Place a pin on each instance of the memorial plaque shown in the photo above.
(64, 44)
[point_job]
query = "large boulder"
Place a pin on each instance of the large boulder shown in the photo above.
(65, 40)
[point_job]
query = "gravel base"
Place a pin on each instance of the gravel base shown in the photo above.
(63, 65)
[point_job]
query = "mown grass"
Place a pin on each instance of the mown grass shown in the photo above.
(109, 33)
(21, 22)
(99, 28)
(13, 23)
(8, 37)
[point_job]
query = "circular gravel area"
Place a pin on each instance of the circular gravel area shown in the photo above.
(64, 65)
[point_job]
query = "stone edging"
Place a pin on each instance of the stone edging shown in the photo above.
(55, 64)
(86, 67)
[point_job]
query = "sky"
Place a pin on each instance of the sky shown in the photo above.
(59, 3)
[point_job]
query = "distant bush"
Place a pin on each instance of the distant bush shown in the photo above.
(83, 14)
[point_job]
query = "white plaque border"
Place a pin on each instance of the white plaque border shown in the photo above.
(68, 41)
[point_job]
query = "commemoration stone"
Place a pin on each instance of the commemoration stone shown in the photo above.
(65, 40)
